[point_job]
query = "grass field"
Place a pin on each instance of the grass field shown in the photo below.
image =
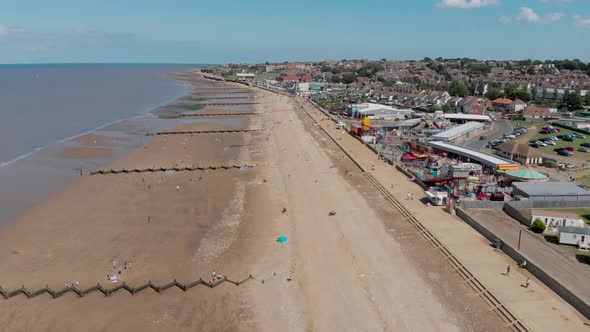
(562, 144)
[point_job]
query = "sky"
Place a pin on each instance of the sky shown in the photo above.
(222, 31)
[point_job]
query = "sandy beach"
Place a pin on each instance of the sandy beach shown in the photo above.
(363, 269)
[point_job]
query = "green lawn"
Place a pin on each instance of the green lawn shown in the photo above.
(529, 123)
(585, 180)
(562, 144)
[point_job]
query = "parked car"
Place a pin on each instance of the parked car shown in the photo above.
(565, 153)
(482, 137)
(558, 149)
(549, 160)
(570, 165)
(534, 145)
(577, 135)
(510, 136)
(540, 143)
(568, 139)
(582, 149)
(549, 142)
(569, 148)
(586, 145)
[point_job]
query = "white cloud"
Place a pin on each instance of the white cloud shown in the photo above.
(556, 1)
(581, 21)
(466, 4)
(4, 30)
(528, 15)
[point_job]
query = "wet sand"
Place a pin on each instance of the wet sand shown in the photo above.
(359, 270)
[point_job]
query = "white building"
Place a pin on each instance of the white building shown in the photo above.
(437, 195)
(245, 76)
(460, 133)
(381, 112)
(552, 218)
(578, 236)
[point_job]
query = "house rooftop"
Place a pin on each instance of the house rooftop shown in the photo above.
(555, 214)
(520, 149)
(574, 230)
(551, 189)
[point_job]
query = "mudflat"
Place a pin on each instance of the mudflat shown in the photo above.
(363, 268)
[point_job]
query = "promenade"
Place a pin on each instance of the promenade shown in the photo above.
(537, 306)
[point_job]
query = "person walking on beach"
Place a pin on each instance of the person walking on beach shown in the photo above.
(508, 271)
(527, 283)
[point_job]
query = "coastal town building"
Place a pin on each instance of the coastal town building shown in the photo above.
(550, 191)
(522, 153)
(554, 218)
(466, 154)
(534, 112)
(502, 105)
(378, 111)
(517, 106)
(578, 236)
(460, 133)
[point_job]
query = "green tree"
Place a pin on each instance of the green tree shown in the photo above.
(388, 84)
(587, 98)
(494, 93)
(534, 93)
(530, 71)
(446, 108)
(521, 94)
(554, 95)
(573, 101)
(458, 90)
(538, 226)
(348, 78)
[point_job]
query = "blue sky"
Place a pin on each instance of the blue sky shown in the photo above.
(219, 31)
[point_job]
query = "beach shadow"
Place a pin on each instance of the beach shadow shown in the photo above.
(585, 259)
(424, 200)
(551, 239)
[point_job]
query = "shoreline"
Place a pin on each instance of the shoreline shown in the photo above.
(147, 111)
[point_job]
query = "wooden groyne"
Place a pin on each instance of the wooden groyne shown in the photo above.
(172, 169)
(123, 287)
(216, 104)
(219, 114)
(223, 131)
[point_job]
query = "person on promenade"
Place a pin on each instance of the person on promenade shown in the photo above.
(508, 271)
(527, 283)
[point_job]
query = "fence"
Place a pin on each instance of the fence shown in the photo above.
(533, 268)
(225, 131)
(175, 169)
(484, 204)
(110, 291)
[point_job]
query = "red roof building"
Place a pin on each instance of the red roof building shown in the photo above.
(536, 112)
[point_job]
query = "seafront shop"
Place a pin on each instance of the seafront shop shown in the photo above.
(461, 171)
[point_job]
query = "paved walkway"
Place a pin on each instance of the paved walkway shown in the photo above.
(538, 307)
(555, 261)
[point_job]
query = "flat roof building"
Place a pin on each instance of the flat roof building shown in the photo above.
(463, 131)
(491, 161)
(554, 191)
(378, 111)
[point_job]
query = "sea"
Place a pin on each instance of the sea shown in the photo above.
(46, 107)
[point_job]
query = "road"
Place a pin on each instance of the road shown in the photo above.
(501, 127)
